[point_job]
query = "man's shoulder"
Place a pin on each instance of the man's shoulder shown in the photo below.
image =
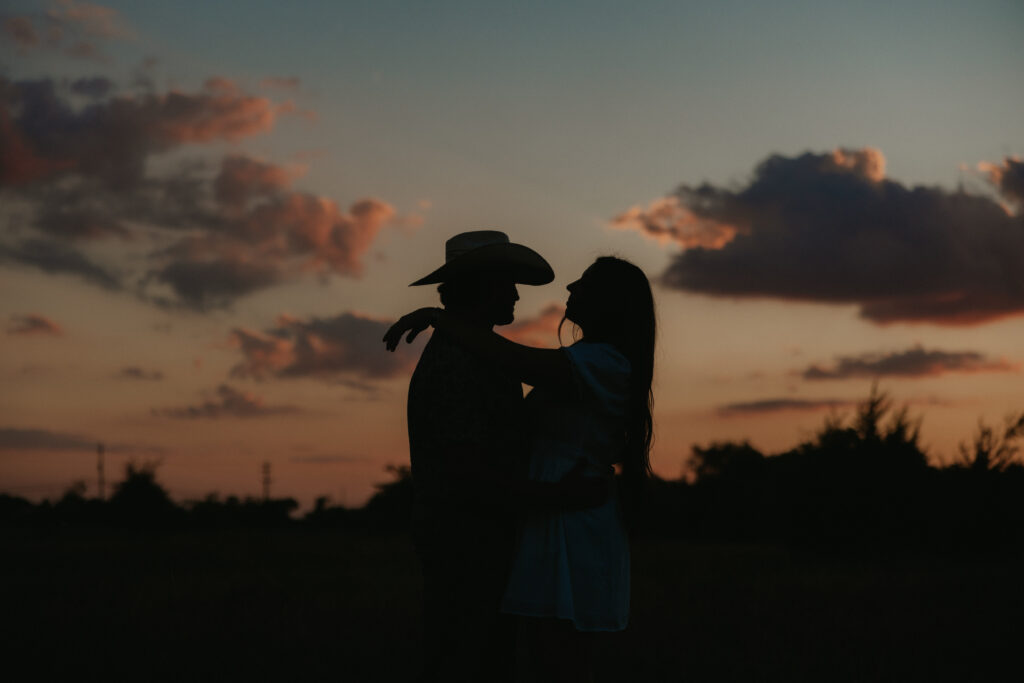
(442, 355)
(451, 373)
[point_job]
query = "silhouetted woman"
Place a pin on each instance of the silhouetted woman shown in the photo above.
(590, 410)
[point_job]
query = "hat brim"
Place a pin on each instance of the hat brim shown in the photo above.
(524, 265)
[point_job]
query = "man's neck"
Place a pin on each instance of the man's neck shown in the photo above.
(473, 317)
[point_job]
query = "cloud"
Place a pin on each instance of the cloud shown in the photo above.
(540, 330)
(228, 402)
(831, 228)
(20, 439)
(22, 31)
(914, 362)
(72, 28)
(265, 235)
(135, 372)
(34, 324)
(314, 228)
(1007, 178)
(324, 459)
(43, 439)
(94, 86)
(774, 405)
(19, 162)
(348, 344)
(110, 139)
(53, 257)
(666, 220)
(93, 20)
(85, 171)
(243, 178)
(216, 282)
(290, 83)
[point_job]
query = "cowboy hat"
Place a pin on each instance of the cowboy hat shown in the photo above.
(482, 250)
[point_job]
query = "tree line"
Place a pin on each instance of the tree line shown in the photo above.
(864, 481)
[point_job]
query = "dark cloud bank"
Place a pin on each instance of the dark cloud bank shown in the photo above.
(831, 228)
(43, 439)
(22, 439)
(914, 362)
(773, 405)
(228, 402)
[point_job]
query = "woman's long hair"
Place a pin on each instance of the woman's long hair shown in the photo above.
(628, 322)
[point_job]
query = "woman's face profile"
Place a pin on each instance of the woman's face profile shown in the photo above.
(581, 303)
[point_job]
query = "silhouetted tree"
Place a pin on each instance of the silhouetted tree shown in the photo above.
(324, 514)
(991, 450)
(139, 500)
(234, 512)
(390, 508)
(727, 460)
(15, 509)
(74, 508)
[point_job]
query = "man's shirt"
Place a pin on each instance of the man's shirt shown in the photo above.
(458, 402)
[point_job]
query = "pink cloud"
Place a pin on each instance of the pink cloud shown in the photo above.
(344, 346)
(267, 234)
(19, 163)
(242, 179)
(265, 354)
(91, 19)
(110, 140)
(22, 31)
(667, 220)
(68, 27)
(1007, 177)
(316, 229)
(34, 324)
(540, 330)
(85, 171)
(868, 162)
(179, 118)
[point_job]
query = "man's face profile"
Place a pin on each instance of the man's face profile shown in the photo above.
(489, 298)
(500, 299)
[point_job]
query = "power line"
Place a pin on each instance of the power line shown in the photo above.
(266, 481)
(99, 472)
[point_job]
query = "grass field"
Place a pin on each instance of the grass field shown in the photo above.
(301, 604)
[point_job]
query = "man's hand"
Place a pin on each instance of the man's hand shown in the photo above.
(413, 323)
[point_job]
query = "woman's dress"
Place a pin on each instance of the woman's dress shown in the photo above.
(575, 564)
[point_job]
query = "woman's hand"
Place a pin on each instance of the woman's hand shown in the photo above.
(413, 323)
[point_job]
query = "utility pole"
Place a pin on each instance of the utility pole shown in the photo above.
(99, 471)
(266, 481)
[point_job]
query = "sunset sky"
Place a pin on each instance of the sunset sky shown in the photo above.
(210, 212)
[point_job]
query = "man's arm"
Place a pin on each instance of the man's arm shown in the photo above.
(577, 490)
(534, 366)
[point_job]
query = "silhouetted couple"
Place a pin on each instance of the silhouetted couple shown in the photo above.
(517, 518)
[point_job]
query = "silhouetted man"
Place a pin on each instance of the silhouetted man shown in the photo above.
(464, 431)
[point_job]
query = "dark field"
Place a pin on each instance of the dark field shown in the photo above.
(303, 604)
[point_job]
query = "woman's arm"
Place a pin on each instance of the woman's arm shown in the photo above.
(536, 367)
(579, 489)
